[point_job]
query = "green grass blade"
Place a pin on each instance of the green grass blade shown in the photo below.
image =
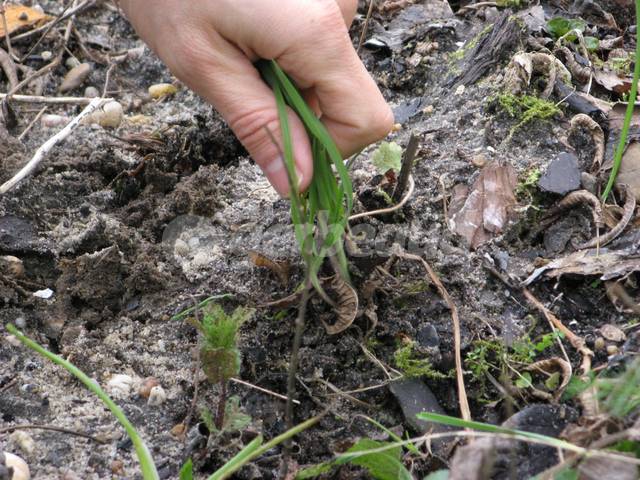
(617, 158)
(485, 427)
(202, 304)
(147, 465)
(256, 449)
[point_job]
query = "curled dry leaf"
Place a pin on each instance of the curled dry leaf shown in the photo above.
(487, 208)
(553, 365)
(19, 17)
(582, 120)
(280, 268)
(522, 67)
(346, 307)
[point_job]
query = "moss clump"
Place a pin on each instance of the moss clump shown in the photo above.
(405, 360)
(526, 109)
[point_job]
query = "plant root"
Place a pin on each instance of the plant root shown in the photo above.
(583, 120)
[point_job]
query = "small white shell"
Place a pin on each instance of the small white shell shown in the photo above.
(24, 441)
(120, 385)
(91, 92)
(157, 396)
(51, 120)
(20, 467)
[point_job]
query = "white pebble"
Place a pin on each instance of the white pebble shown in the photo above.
(157, 396)
(200, 259)
(46, 55)
(20, 467)
(91, 92)
(120, 385)
(51, 120)
(110, 115)
(71, 63)
(47, 293)
(181, 248)
(24, 441)
(160, 90)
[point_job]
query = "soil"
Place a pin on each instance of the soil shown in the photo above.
(129, 233)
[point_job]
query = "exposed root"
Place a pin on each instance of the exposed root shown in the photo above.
(581, 73)
(398, 206)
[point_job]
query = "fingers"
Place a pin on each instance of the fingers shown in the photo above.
(229, 81)
(353, 108)
(348, 9)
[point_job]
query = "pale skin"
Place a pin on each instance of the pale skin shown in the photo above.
(211, 45)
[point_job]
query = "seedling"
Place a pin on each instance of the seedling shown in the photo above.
(327, 202)
(219, 354)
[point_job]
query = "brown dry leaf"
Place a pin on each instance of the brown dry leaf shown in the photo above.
(629, 173)
(281, 269)
(487, 207)
(551, 365)
(19, 17)
(75, 77)
(346, 307)
(612, 82)
(599, 468)
(612, 333)
(606, 264)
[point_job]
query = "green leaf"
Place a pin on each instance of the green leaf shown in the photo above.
(438, 475)
(384, 465)
(186, 472)
(575, 387)
(592, 43)
(524, 380)
(559, 27)
(553, 381)
(387, 157)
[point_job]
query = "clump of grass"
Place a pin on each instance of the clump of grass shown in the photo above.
(328, 201)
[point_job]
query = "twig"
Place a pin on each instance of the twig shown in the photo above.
(576, 342)
(9, 68)
(32, 123)
(365, 27)
(261, 389)
(465, 411)
(52, 428)
(398, 206)
(107, 78)
(407, 164)
(38, 99)
(49, 144)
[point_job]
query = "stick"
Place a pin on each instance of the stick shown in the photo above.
(48, 100)
(465, 411)
(407, 165)
(49, 144)
(412, 186)
(32, 123)
(261, 389)
(51, 428)
(365, 27)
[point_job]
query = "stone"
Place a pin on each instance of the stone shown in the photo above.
(562, 175)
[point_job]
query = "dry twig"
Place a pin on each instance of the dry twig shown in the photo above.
(42, 152)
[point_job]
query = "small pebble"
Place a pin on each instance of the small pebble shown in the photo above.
(24, 441)
(51, 120)
(147, 384)
(599, 344)
(160, 90)
(117, 467)
(71, 63)
(12, 340)
(428, 110)
(157, 396)
(12, 265)
(46, 55)
(120, 385)
(20, 467)
(23, 17)
(612, 349)
(181, 248)
(479, 160)
(109, 116)
(91, 92)
(75, 77)
(396, 127)
(612, 333)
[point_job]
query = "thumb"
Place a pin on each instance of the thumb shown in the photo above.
(234, 87)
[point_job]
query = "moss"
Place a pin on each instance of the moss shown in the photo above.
(526, 109)
(405, 360)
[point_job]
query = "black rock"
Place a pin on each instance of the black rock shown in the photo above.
(428, 337)
(562, 175)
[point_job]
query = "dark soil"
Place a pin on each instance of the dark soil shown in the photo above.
(128, 234)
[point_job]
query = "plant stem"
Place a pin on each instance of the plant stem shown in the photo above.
(222, 403)
(617, 158)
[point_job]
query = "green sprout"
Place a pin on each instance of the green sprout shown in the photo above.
(328, 201)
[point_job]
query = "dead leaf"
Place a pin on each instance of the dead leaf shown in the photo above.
(607, 264)
(280, 268)
(346, 305)
(599, 468)
(629, 173)
(612, 82)
(19, 17)
(552, 365)
(75, 77)
(488, 207)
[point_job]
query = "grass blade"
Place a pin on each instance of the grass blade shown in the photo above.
(147, 465)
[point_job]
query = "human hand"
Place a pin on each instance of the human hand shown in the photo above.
(211, 45)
